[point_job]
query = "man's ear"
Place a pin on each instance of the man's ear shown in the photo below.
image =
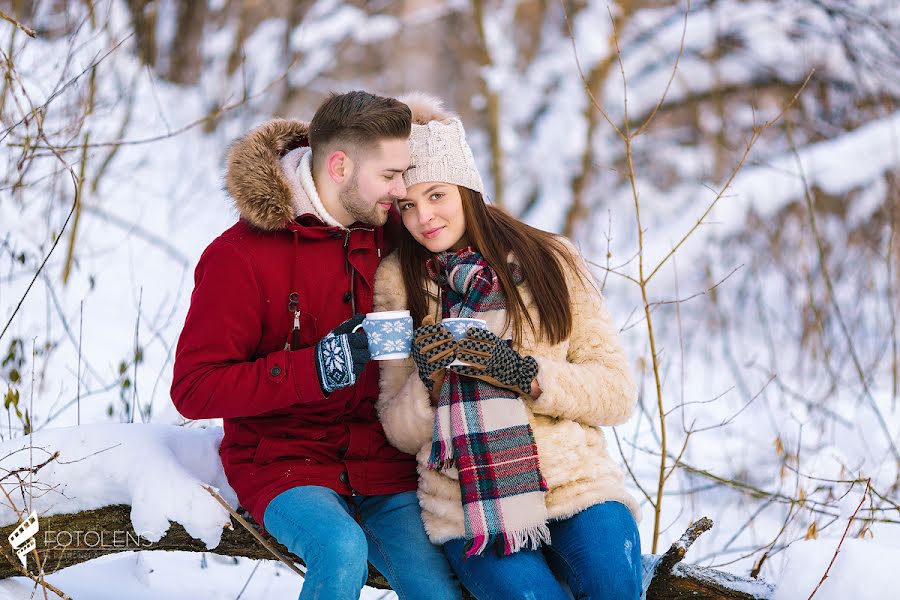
(339, 166)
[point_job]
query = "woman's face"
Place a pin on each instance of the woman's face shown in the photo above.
(433, 213)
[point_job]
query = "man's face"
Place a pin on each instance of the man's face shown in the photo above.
(377, 181)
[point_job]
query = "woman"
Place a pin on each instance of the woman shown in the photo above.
(512, 457)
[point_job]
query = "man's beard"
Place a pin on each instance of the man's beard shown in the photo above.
(358, 208)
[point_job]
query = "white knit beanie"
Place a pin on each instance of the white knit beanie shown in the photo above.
(438, 147)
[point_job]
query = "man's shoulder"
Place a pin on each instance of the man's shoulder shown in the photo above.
(241, 235)
(232, 241)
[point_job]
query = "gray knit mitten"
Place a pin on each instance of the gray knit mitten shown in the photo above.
(492, 360)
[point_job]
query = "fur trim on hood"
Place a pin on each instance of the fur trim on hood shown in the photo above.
(425, 108)
(261, 189)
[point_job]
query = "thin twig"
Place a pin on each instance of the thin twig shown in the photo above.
(27, 30)
(757, 132)
(136, 353)
(840, 543)
(255, 533)
(826, 275)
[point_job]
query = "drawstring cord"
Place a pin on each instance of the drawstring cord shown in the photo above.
(293, 340)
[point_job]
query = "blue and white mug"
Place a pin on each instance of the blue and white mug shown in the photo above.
(458, 326)
(389, 332)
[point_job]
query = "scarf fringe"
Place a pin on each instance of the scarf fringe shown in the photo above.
(440, 458)
(530, 538)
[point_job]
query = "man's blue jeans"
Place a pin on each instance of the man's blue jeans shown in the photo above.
(318, 525)
(597, 552)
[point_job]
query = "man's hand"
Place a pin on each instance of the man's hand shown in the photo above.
(490, 359)
(342, 355)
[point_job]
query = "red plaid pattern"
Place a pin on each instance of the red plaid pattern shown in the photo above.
(483, 430)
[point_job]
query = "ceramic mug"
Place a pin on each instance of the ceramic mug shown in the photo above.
(389, 333)
(458, 327)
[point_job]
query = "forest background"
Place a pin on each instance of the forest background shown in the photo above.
(731, 169)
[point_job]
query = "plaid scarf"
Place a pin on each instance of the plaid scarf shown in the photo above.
(483, 430)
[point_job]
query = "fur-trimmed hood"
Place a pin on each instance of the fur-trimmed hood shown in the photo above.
(263, 179)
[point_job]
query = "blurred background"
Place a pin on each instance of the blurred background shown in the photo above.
(729, 167)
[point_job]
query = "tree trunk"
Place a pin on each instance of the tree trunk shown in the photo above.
(70, 539)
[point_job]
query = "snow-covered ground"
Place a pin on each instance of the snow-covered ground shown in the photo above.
(161, 472)
(170, 576)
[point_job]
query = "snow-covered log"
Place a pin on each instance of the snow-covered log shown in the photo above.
(103, 489)
(670, 582)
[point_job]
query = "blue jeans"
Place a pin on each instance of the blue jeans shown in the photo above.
(596, 552)
(318, 525)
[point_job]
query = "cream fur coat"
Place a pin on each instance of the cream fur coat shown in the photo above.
(585, 383)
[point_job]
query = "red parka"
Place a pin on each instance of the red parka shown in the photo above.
(233, 360)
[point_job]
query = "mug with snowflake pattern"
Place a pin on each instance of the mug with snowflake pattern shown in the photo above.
(389, 332)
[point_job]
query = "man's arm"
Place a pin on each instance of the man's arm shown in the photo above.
(213, 374)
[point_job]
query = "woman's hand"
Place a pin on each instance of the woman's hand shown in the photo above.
(490, 359)
(433, 348)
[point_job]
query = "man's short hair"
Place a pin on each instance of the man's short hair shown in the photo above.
(357, 120)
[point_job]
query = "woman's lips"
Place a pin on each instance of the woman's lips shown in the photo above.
(432, 233)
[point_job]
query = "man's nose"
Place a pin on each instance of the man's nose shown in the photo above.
(399, 190)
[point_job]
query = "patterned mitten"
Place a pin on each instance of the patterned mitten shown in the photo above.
(490, 359)
(433, 348)
(342, 355)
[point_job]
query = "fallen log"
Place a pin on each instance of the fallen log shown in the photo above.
(69, 539)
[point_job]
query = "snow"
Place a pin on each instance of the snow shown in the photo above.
(160, 203)
(864, 569)
(166, 575)
(159, 470)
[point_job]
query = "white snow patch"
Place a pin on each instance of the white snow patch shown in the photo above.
(863, 570)
(158, 470)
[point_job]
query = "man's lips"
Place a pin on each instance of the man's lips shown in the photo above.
(432, 233)
(386, 205)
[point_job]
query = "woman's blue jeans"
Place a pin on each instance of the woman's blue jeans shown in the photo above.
(318, 525)
(597, 552)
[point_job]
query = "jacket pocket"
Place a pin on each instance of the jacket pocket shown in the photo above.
(309, 333)
(305, 444)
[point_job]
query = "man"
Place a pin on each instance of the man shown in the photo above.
(268, 346)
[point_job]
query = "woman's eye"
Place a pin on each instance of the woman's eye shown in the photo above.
(436, 197)
(404, 205)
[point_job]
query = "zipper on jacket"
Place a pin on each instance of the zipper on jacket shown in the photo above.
(293, 341)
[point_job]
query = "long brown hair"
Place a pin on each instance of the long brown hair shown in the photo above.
(542, 256)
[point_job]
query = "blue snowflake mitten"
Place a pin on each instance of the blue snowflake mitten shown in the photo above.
(342, 355)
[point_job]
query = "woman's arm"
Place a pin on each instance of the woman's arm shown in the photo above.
(404, 407)
(593, 385)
